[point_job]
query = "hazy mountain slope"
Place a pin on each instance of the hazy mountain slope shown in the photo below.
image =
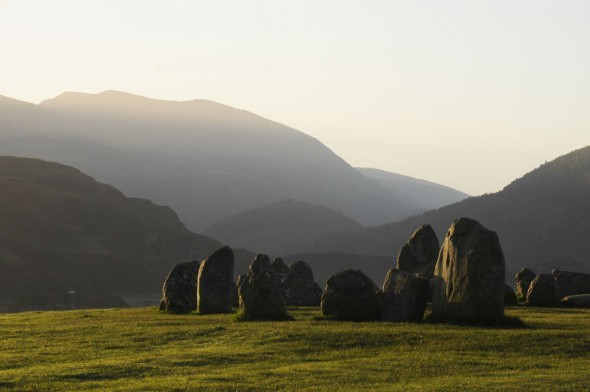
(206, 160)
(60, 229)
(268, 229)
(420, 194)
(542, 219)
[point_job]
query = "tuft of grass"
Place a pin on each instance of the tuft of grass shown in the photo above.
(144, 350)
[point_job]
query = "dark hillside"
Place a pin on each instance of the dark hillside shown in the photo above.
(542, 219)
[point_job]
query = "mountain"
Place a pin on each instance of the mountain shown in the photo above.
(270, 228)
(421, 195)
(61, 233)
(542, 219)
(206, 160)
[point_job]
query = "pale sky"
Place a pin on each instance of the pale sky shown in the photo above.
(470, 94)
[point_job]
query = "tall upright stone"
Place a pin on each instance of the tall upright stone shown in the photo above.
(179, 292)
(404, 296)
(215, 282)
(350, 295)
(260, 293)
(523, 279)
(282, 271)
(543, 291)
(468, 283)
(419, 254)
(301, 289)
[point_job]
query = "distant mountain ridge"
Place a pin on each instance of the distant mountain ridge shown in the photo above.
(542, 219)
(270, 228)
(206, 160)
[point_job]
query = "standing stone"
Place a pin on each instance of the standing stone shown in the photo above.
(301, 289)
(260, 294)
(523, 279)
(468, 283)
(235, 299)
(543, 291)
(215, 281)
(281, 272)
(404, 296)
(572, 283)
(419, 254)
(509, 296)
(350, 295)
(179, 293)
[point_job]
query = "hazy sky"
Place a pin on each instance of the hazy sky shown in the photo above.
(471, 94)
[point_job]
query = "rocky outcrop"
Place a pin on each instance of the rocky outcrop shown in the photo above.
(509, 296)
(523, 279)
(350, 295)
(215, 282)
(419, 254)
(577, 301)
(543, 291)
(301, 289)
(179, 293)
(571, 283)
(468, 283)
(260, 293)
(404, 296)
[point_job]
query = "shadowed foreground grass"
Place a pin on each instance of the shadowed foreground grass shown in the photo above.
(143, 350)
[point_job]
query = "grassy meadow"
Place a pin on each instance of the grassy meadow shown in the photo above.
(144, 350)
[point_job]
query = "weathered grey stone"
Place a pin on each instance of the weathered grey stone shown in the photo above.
(572, 283)
(350, 295)
(509, 296)
(301, 289)
(543, 291)
(578, 301)
(419, 254)
(215, 281)
(523, 279)
(179, 293)
(468, 283)
(260, 294)
(281, 271)
(404, 296)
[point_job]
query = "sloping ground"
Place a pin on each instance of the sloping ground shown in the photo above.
(143, 350)
(269, 228)
(542, 219)
(62, 232)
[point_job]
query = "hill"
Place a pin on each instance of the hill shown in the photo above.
(143, 350)
(268, 229)
(542, 220)
(206, 160)
(69, 241)
(421, 195)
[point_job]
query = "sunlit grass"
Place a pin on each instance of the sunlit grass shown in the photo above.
(144, 350)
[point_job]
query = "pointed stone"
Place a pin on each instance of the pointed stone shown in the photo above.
(523, 279)
(419, 254)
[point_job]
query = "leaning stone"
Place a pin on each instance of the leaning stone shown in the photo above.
(404, 296)
(260, 293)
(215, 281)
(419, 254)
(350, 295)
(509, 296)
(179, 293)
(468, 283)
(523, 279)
(543, 291)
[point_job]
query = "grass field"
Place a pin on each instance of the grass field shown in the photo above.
(143, 350)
